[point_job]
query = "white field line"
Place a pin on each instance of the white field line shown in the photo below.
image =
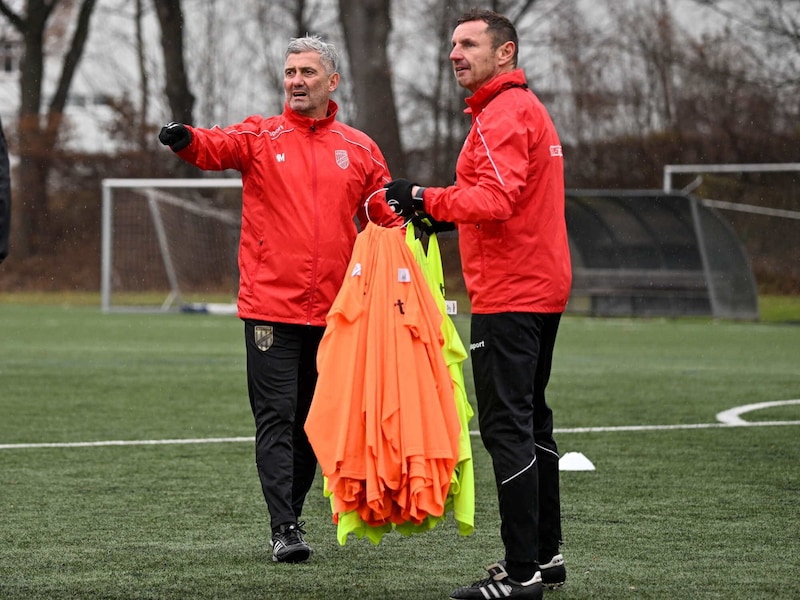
(670, 427)
(727, 418)
(220, 440)
(731, 416)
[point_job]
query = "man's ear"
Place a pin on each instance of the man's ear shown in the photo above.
(333, 82)
(505, 53)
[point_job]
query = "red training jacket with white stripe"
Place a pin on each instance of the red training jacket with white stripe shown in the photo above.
(508, 202)
(304, 181)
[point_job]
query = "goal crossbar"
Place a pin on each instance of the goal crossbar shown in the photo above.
(727, 168)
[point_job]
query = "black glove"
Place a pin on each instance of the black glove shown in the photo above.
(175, 135)
(425, 222)
(400, 200)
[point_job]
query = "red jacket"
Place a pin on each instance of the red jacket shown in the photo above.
(508, 201)
(304, 181)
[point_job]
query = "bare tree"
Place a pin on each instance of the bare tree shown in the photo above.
(37, 135)
(234, 58)
(450, 125)
(769, 35)
(298, 10)
(176, 82)
(176, 85)
(366, 25)
(144, 77)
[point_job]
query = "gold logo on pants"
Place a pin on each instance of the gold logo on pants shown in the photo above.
(263, 337)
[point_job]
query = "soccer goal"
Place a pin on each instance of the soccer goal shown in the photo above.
(170, 244)
(761, 202)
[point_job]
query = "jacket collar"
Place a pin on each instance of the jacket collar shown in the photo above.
(484, 94)
(303, 122)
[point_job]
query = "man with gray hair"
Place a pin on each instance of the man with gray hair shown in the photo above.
(305, 178)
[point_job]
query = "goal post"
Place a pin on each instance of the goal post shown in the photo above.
(170, 244)
(760, 202)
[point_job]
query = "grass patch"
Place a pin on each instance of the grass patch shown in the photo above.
(773, 309)
(779, 309)
(698, 513)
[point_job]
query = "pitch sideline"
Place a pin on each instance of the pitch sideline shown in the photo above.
(726, 418)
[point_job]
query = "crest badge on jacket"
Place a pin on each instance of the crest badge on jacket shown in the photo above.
(342, 159)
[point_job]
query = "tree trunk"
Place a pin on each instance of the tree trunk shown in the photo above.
(366, 25)
(144, 86)
(179, 96)
(31, 206)
(39, 136)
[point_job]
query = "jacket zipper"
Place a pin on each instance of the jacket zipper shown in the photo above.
(315, 217)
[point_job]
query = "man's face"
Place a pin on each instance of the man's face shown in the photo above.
(308, 87)
(474, 60)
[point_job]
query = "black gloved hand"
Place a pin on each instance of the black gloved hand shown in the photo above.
(400, 200)
(429, 225)
(175, 135)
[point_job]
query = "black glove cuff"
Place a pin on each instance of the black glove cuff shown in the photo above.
(417, 199)
(182, 143)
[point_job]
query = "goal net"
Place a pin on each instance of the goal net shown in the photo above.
(761, 202)
(170, 244)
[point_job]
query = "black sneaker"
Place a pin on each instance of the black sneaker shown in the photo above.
(288, 544)
(554, 573)
(500, 585)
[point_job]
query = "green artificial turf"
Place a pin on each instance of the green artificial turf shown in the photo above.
(685, 509)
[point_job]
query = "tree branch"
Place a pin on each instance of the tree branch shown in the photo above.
(16, 20)
(72, 58)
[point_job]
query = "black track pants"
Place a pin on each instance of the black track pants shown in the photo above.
(511, 358)
(281, 376)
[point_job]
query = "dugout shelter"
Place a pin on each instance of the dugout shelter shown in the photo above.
(655, 253)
